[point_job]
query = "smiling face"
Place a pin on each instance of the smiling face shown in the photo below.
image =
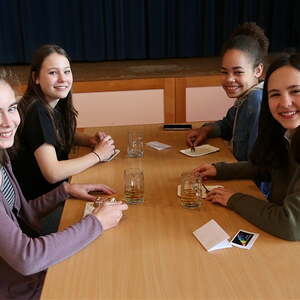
(284, 96)
(55, 77)
(9, 116)
(238, 73)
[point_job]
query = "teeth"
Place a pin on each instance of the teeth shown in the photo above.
(5, 134)
(288, 113)
(232, 88)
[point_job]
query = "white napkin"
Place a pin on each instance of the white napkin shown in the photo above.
(200, 150)
(158, 145)
(212, 236)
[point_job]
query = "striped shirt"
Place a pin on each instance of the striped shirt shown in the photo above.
(7, 188)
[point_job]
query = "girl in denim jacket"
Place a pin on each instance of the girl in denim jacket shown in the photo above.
(242, 67)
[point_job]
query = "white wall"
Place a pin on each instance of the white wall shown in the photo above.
(119, 108)
(206, 103)
(147, 106)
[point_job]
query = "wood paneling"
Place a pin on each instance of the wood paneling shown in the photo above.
(174, 90)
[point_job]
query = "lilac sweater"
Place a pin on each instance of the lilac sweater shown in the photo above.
(23, 260)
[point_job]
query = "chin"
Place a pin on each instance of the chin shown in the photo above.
(232, 95)
(6, 145)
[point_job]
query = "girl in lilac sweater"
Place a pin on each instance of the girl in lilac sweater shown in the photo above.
(24, 254)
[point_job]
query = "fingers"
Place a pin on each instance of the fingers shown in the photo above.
(103, 188)
(110, 214)
(205, 171)
(199, 171)
(198, 140)
(191, 136)
(101, 135)
(117, 205)
(189, 141)
(108, 139)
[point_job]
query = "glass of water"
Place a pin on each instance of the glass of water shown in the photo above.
(135, 144)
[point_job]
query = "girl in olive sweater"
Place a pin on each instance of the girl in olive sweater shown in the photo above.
(275, 157)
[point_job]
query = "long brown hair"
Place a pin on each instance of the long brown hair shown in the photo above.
(34, 93)
(270, 149)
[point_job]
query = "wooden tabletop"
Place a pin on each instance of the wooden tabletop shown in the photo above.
(153, 254)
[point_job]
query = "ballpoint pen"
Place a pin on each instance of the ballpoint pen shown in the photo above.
(206, 189)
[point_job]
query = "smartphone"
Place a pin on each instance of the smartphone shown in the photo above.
(177, 126)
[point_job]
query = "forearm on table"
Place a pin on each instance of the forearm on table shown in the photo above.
(238, 170)
(279, 220)
(55, 170)
(32, 255)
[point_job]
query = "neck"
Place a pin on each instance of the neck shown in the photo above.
(53, 103)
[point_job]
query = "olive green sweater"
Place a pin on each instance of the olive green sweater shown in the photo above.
(280, 215)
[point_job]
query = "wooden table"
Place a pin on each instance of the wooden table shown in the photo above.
(152, 254)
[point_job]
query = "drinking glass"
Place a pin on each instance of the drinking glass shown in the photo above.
(191, 190)
(135, 144)
(133, 185)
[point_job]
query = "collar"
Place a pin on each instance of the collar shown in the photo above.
(288, 135)
(240, 100)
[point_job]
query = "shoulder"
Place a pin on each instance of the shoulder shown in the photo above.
(256, 92)
(253, 100)
(36, 112)
(36, 107)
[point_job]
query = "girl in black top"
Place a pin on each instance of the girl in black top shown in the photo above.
(48, 130)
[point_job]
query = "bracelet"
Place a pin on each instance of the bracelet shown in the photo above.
(97, 155)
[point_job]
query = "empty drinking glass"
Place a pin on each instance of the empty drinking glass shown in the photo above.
(135, 144)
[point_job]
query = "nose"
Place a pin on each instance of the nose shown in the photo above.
(286, 100)
(229, 77)
(5, 120)
(61, 76)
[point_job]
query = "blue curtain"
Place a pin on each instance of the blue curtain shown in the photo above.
(99, 30)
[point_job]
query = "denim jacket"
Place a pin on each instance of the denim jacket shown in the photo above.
(240, 124)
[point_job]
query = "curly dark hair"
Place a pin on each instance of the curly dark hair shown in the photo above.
(34, 93)
(270, 148)
(250, 38)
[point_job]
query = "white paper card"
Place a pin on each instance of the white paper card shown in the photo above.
(117, 151)
(89, 207)
(158, 145)
(244, 239)
(203, 191)
(200, 150)
(212, 236)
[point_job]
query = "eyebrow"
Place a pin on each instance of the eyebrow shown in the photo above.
(14, 103)
(234, 68)
(289, 88)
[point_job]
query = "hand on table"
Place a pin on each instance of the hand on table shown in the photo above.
(81, 191)
(205, 171)
(97, 138)
(110, 214)
(219, 195)
(196, 137)
(105, 148)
